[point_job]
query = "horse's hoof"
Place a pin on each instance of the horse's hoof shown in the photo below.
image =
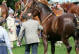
(69, 49)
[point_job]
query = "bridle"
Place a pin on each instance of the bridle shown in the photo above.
(45, 18)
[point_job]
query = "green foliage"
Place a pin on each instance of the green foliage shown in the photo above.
(10, 3)
(1, 1)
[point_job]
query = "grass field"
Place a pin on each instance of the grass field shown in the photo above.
(58, 50)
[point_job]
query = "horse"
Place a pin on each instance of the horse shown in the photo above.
(70, 8)
(55, 28)
(17, 6)
(3, 11)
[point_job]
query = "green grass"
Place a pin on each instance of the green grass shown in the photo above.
(58, 50)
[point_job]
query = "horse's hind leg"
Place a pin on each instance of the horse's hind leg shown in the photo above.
(65, 41)
(77, 46)
(77, 41)
(53, 47)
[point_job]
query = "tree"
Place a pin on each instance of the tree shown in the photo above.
(11, 3)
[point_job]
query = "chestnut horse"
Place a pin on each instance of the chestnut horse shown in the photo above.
(55, 28)
(3, 11)
(17, 6)
(70, 8)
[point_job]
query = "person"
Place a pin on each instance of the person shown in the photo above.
(59, 7)
(11, 26)
(4, 40)
(30, 27)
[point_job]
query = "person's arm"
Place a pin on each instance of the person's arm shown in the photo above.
(8, 23)
(7, 41)
(40, 26)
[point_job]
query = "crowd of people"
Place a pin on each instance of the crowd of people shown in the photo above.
(17, 29)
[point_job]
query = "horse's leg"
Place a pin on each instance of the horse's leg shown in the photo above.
(77, 41)
(53, 47)
(45, 43)
(65, 41)
(77, 46)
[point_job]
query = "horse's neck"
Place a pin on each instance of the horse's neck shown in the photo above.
(44, 15)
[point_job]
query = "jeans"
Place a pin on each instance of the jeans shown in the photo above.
(3, 49)
(34, 48)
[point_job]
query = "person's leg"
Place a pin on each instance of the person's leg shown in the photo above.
(0, 49)
(3, 50)
(35, 48)
(27, 49)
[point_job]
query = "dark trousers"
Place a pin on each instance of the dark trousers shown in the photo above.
(34, 48)
(3, 49)
(17, 31)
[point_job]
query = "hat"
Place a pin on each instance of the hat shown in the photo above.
(11, 11)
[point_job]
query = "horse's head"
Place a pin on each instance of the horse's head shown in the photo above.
(40, 9)
(34, 9)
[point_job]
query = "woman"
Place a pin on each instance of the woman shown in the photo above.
(11, 27)
(4, 40)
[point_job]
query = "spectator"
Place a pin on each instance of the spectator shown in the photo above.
(11, 26)
(4, 40)
(60, 8)
(31, 28)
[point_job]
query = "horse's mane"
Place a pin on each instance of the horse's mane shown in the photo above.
(43, 6)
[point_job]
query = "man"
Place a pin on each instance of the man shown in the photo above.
(4, 40)
(31, 28)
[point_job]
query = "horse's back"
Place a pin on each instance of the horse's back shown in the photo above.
(66, 24)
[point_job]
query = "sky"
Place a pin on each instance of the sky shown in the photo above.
(64, 1)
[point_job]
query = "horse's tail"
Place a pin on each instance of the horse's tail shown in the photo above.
(0, 12)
